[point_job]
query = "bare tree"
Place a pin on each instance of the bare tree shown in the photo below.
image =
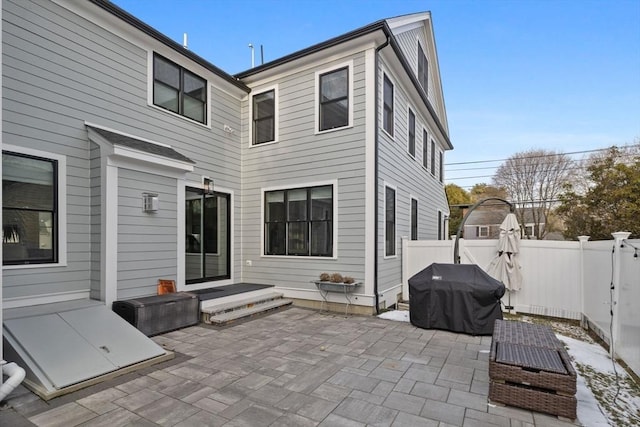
(533, 181)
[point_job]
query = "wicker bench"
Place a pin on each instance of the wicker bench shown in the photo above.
(529, 368)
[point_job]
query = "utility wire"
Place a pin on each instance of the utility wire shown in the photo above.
(540, 156)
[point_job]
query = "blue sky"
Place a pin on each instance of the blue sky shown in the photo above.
(558, 75)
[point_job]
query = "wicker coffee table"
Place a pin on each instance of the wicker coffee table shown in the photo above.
(529, 368)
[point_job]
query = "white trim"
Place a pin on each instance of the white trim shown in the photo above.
(207, 123)
(394, 110)
(370, 177)
(415, 139)
(276, 119)
(109, 232)
(395, 221)
(61, 208)
(45, 299)
(334, 184)
(181, 270)
(482, 228)
(425, 148)
(316, 91)
(125, 156)
(411, 199)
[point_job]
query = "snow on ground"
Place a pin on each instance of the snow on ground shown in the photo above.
(603, 399)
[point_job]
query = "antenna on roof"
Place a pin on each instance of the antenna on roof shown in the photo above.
(253, 58)
(184, 41)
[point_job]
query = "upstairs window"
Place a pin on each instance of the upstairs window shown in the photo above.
(425, 149)
(299, 222)
(433, 158)
(412, 133)
(179, 90)
(387, 113)
(441, 166)
(264, 116)
(29, 209)
(482, 231)
(334, 99)
(423, 68)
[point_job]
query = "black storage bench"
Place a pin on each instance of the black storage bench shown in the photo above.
(160, 313)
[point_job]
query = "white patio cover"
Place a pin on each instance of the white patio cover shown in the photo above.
(505, 266)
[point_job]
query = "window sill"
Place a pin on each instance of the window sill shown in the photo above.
(180, 116)
(299, 257)
(32, 266)
(322, 132)
(262, 144)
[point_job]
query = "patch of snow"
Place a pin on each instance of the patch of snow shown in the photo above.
(397, 315)
(590, 354)
(586, 353)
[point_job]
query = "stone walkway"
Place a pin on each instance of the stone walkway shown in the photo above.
(295, 367)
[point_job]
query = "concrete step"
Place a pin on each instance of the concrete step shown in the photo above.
(226, 312)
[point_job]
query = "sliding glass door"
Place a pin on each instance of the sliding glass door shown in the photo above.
(208, 231)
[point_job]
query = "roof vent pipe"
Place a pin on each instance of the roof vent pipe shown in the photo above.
(184, 41)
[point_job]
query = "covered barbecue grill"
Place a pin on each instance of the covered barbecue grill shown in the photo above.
(455, 297)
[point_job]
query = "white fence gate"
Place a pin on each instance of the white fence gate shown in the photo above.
(571, 280)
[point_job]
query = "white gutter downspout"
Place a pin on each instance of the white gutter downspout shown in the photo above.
(15, 373)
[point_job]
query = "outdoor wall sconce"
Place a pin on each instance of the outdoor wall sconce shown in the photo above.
(208, 185)
(150, 202)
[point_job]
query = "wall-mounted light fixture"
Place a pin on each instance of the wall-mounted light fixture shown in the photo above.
(208, 185)
(150, 202)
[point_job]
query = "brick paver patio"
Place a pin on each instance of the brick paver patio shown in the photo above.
(295, 367)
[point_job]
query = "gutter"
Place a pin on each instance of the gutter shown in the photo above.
(152, 32)
(376, 174)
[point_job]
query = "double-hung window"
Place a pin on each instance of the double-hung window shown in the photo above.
(423, 68)
(390, 221)
(414, 219)
(387, 110)
(264, 116)
(334, 99)
(179, 90)
(299, 222)
(412, 133)
(433, 158)
(441, 166)
(425, 149)
(29, 209)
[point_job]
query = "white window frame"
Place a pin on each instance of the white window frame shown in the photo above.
(61, 208)
(349, 66)
(334, 184)
(387, 76)
(276, 119)
(150, 77)
(425, 149)
(415, 126)
(483, 231)
(395, 222)
(411, 199)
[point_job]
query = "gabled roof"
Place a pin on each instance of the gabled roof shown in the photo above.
(382, 26)
(152, 32)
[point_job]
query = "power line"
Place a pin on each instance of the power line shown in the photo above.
(540, 156)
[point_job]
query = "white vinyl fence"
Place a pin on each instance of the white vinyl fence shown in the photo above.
(571, 280)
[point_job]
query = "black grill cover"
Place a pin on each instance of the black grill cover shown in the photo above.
(455, 297)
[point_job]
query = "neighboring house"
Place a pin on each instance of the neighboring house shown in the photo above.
(484, 222)
(128, 158)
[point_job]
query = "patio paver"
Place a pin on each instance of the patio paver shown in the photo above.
(295, 367)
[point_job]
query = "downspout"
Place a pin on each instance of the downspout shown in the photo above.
(376, 174)
(15, 373)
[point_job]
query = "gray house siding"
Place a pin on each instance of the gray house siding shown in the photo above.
(147, 242)
(300, 158)
(60, 71)
(398, 169)
(96, 220)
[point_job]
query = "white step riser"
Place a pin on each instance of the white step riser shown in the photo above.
(244, 311)
(212, 308)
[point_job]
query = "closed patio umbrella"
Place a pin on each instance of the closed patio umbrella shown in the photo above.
(505, 265)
